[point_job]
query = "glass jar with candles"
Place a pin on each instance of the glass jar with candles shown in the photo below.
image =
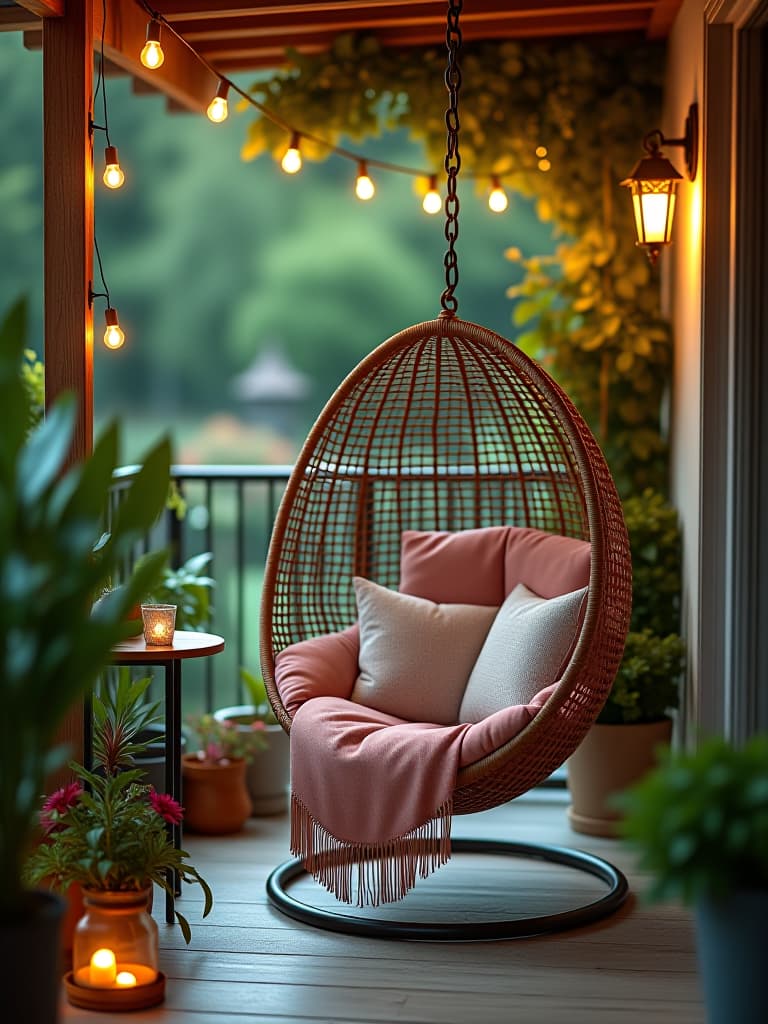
(115, 953)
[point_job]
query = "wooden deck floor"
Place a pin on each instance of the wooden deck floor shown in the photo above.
(248, 963)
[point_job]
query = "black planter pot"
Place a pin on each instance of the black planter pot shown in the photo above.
(731, 944)
(30, 969)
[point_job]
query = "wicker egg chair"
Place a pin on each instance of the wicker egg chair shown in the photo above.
(448, 426)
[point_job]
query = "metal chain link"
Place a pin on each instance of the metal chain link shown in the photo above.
(452, 158)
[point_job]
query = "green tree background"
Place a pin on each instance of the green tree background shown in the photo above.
(209, 258)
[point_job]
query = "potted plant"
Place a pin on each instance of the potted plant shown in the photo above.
(621, 747)
(53, 560)
(215, 792)
(189, 588)
(700, 824)
(268, 773)
(106, 832)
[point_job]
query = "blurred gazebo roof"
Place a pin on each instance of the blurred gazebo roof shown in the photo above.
(271, 378)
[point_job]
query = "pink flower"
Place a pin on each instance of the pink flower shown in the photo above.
(166, 806)
(257, 725)
(56, 806)
(214, 752)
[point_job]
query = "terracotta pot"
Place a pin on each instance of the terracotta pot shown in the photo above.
(610, 759)
(268, 774)
(215, 796)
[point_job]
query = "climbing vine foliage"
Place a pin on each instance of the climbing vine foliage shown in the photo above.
(591, 312)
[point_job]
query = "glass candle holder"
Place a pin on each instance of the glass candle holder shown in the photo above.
(159, 623)
(115, 954)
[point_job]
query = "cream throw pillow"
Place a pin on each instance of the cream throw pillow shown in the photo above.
(415, 655)
(523, 652)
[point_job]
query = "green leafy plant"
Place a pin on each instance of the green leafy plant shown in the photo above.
(257, 693)
(189, 588)
(654, 537)
(223, 741)
(54, 557)
(700, 821)
(648, 680)
(647, 684)
(108, 832)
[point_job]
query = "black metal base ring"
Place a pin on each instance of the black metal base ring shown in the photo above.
(465, 931)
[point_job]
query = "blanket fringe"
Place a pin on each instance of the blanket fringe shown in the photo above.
(370, 874)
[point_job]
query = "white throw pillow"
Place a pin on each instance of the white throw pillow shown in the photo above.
(415, 655)
(523, 652)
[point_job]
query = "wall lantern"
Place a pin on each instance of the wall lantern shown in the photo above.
(654, 181)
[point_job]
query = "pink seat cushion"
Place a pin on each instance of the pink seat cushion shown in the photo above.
(466, 567)
(548, 564)
(326, 666)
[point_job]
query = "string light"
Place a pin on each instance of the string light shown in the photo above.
(114, 336)
(541, 151)
(113, 173)
(152, 55)
(432, 202)
(497, 200)
(364, 187)
(291, 162)
(218, 108)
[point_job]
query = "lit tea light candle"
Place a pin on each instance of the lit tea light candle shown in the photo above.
(103, 969)
(159, 623)
(125, 979)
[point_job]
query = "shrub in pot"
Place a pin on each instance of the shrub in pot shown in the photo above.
(620, 748)
(268, 773)
(53, 560)
(700, 824)
(215, 794)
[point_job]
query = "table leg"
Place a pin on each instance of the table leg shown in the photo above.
(176, 687)
(170, 776)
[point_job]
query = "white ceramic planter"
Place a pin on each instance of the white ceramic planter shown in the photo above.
(268, 775)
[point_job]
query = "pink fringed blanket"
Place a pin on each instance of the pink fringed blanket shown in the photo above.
(371, 794)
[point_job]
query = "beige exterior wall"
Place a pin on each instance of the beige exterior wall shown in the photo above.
(682, 301)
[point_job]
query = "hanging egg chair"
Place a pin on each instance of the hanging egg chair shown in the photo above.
(447, 426)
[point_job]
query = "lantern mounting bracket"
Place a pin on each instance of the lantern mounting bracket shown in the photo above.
(654, 140)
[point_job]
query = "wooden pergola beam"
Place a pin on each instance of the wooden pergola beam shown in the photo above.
(43, 8)
(15, 19)
(68, 211)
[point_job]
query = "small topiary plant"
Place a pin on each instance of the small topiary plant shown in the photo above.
(700, 821)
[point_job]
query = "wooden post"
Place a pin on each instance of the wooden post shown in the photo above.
(68, 236)
(68, 211)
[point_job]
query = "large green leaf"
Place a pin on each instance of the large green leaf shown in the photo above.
(44, 455)
(145, 499)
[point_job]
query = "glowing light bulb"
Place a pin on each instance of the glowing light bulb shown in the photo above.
(125, 979)
(152, 55)
(544, 165)
(497, 200)
(364, 187)
(541, 151)
(218, 108)
(291, 162)
(113, 172)
(114, 336)
(432, 201)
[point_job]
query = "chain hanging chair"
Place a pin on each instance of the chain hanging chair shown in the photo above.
(448, 426)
